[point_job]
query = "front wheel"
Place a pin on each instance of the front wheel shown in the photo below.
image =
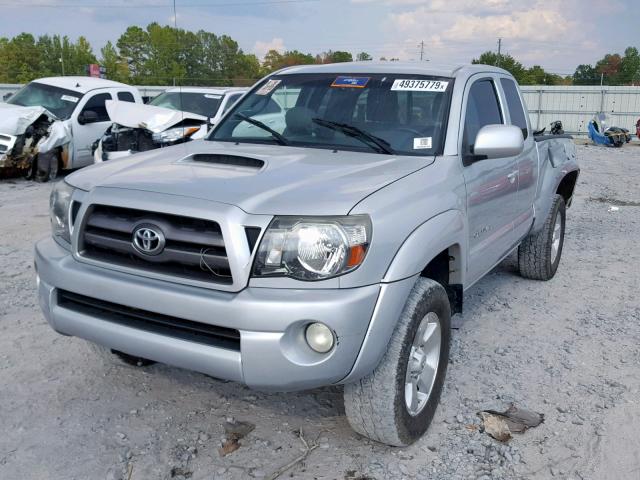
(396, 403)
(46, 166)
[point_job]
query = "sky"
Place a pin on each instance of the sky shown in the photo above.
(558, 35)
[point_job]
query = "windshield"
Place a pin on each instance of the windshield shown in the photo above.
(383, 113)
(58, 101)
(205, 104)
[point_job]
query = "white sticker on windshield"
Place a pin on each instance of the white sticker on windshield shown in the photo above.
(69, 98)
(424, 142)
(267, 87)
(419, 85)
(211, 95)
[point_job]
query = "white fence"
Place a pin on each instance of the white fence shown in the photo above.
(574, 106)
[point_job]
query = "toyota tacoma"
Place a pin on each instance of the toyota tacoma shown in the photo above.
(327, 242)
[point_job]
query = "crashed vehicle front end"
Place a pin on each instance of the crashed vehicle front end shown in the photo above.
(140, 128)
(27, 133)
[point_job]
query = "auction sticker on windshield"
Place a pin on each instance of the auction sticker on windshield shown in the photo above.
(350, 82)
(69, 98)
(419, 85)
(424, 142)
(267, 87)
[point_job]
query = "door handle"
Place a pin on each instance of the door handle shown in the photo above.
(512, 176)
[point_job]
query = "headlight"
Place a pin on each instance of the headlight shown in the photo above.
(59, 209)
(174, 134)
(313, 248)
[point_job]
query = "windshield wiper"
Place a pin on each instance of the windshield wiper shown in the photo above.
(379, 144)
(278, 137)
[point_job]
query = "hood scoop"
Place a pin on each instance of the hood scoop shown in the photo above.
(224, 160)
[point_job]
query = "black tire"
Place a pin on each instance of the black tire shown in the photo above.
(114, 357)
(375, 405)
(535, 254)
(46, 167)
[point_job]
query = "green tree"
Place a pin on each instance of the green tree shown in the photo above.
(609, 68)
(504, 61)
(20, 59)
(630, 67)
(117, 69)
(334, 57)
(133, 46)
(363, 57)
(586, 75)
(275, 60)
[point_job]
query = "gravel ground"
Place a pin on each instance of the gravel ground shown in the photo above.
(567, 348)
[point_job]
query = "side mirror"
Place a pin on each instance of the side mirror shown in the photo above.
(498, 141)
(88, 116)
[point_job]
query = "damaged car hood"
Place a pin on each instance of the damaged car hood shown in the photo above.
(15, 119)
(260, 179)
(152, 118)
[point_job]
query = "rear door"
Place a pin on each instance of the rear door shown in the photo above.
(86, 132)
(492, 184)
(527, 160)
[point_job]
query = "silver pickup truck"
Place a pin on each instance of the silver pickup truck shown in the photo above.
(327, 242)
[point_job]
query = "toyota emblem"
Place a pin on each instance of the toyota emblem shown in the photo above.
(148, 239)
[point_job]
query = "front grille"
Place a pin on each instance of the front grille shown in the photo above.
(194, 248)
(166, 325)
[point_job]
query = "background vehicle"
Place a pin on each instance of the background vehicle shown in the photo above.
(51, 123)
(175, 116)
(331, 250)
(601, 133)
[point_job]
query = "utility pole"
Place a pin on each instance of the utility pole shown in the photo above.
(421, 50)
(499, 50)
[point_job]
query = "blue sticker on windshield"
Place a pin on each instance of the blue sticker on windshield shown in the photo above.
(351, 82)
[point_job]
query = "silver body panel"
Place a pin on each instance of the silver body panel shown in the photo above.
(419, 207)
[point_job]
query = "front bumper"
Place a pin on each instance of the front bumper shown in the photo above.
(273, 354)
(99, 155)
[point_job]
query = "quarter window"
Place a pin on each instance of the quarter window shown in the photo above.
(483, 109)
(126, 97)
(515, 105)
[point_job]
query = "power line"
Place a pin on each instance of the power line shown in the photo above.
(153, 4)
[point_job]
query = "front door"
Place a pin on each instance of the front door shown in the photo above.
(89, 124)
(492, 184)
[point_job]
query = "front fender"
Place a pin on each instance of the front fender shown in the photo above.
(426, 242)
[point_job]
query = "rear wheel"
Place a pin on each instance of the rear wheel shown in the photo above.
(539, 254)
(396, 403)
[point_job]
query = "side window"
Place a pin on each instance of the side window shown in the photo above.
(233, 98)
(96, 104)
(483, 109)
(515, 105)
(126, 97)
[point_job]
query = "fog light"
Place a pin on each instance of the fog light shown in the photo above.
(319, 337)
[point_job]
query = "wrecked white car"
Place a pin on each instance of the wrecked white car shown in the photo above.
(51, 123)
(175, 116)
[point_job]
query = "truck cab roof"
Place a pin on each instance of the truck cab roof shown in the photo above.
(409, 68)
(211, 90)
(81, 84)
